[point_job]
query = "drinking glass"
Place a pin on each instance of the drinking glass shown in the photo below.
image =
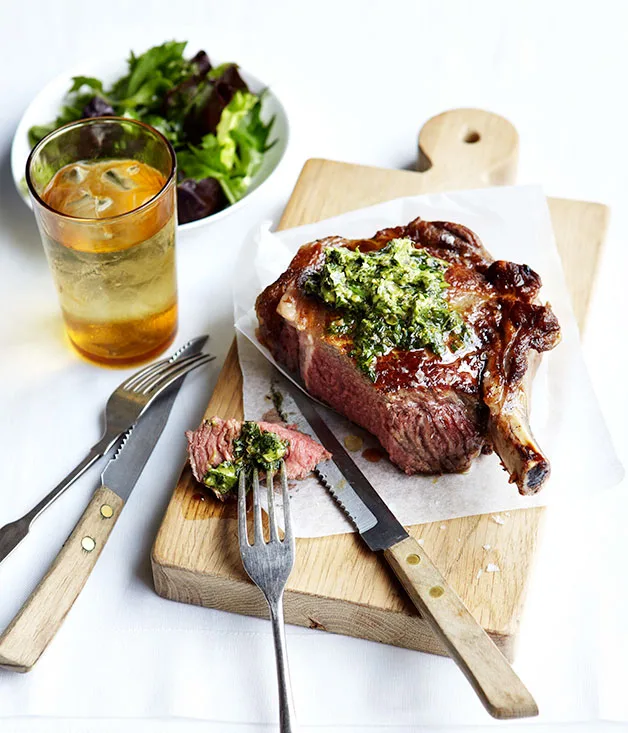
(104, 196)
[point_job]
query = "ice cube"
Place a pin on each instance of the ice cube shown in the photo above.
(102, 204)
(87, 206)
(82, 204)
(76, 174)
(115, 178)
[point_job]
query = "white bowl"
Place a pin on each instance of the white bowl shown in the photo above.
(46, 105)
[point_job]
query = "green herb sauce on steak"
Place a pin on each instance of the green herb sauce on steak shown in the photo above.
(393, 298)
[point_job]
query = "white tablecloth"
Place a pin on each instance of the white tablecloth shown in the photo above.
(359, 81)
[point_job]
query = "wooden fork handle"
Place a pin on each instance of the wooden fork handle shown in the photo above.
(495, 682)
(35, 625)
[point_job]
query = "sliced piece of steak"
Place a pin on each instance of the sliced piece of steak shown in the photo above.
(431, 414)
(212, 443)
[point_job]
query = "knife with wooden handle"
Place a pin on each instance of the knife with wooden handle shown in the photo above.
(501, 691)
(39, 619)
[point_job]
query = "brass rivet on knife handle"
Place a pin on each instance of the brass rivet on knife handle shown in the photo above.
(495, 682)
(469, 147)
(88, 543)
(30, 632)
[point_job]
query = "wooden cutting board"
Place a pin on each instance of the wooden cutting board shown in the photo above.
(337, 584)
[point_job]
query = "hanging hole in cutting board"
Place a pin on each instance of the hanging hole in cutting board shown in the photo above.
(471, 136)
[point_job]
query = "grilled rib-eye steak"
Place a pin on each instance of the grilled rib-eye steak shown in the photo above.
(432, 413)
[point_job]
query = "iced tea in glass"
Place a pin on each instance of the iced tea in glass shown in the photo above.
(104, 195)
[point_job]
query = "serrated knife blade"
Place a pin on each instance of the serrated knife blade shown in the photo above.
(377, 525)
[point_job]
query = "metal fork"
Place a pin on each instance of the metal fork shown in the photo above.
(124, 408)
(269, 565)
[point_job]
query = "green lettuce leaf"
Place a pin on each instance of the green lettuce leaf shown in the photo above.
(202, 161)
(149, 93)
(165, 61)
(235, 153)
(231, 118)
(39, 132)
(78, 82)
(68, 114)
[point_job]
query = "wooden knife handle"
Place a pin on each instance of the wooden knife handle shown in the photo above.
(35, 625)
(494, 680)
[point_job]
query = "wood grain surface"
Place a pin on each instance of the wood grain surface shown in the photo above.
(30, 632)
(337, 584)
(501, 691)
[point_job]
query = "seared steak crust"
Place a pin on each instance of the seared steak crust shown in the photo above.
(432, 414)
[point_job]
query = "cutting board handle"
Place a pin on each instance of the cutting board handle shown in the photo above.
(467, 148)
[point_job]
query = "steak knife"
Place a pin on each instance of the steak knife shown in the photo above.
(490, 674)
(34, 627)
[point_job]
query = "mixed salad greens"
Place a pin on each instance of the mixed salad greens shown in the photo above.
(253, 448)
(210, 116)
(389, 298)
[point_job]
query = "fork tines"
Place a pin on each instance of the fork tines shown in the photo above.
(156, 376)
(258, 529)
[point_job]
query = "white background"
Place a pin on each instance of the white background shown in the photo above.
(359, 79)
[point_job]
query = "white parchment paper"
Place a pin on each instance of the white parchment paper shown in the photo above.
(514, 224)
